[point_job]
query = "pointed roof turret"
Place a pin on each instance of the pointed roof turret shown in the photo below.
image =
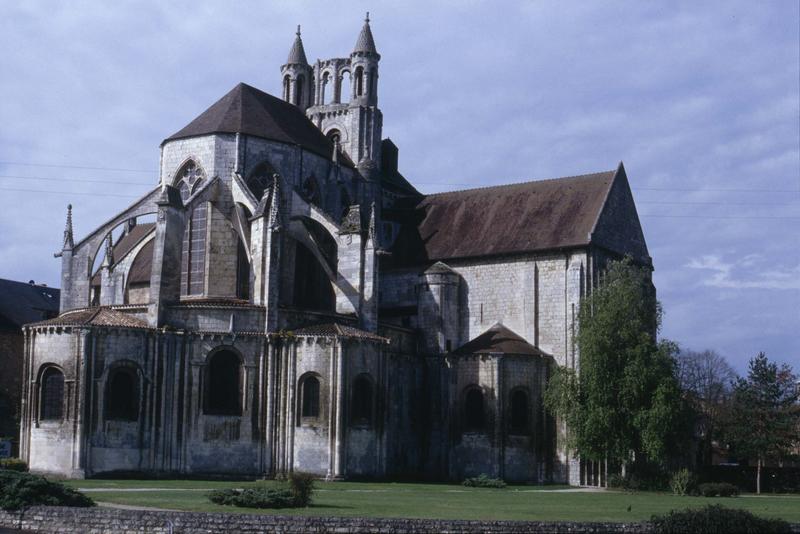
(365, 42)
(297, 54)
(69, 241)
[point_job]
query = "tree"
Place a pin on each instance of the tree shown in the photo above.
(707, 381)
(765, 415)
(625, 400)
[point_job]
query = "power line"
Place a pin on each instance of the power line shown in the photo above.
(114, 169)
(94, 194)
(712, 203)
(82, 180)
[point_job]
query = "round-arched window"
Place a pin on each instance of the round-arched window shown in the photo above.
(223, 379)
(52, 394)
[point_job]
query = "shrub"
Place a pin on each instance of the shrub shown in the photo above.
(682, 482)
(717, 489)
(716, 519)
(13, 464)
(644, 479)
(20, 490)
(254, 497)
(297, 495)
(483, 481)
(302, 487)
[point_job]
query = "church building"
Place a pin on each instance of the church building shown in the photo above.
(283, 299)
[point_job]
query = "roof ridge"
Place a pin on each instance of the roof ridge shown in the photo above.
(527, 182)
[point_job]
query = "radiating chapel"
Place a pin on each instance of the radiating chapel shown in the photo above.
(283, 299)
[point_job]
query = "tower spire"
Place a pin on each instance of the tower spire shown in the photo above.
(297, 54)
(365, 44)
(69, 241)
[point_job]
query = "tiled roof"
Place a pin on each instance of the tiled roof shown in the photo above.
(98, 316)
(499, 340)
(23, 302)
(216, 303)
(507, 219)
(251, 111)
(339, 330)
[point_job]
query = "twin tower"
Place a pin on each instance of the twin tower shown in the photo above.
(340, 96)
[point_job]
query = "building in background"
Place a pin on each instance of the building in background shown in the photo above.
(20, 303)
(284, 299)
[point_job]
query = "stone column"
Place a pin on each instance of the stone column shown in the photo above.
(340, 453)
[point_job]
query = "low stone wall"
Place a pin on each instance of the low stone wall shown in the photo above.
(110, 520)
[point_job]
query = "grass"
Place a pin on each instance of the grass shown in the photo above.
(444, 501)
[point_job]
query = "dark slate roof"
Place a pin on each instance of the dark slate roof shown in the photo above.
(499, 340)
(251, 111)
(506, 219)
(339, 330)
(99, 316)
(126, 243)
(22, 302)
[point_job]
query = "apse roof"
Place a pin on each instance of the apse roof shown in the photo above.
(247, 110)
(98, 316)
(338, 330)
(499, 340)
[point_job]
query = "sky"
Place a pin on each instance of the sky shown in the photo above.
(700, 100)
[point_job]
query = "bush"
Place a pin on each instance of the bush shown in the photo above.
(297, 495)
(13, 464)
(483, 481)
(682, 482)
(20, 490)
(302, 487)
(644, 479)
(717, 489)
(254, 497)
(716, 519)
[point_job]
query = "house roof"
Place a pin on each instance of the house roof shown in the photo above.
(499, 340)
(339, 330)
(24, 302)
(98, 316)
(245, 109)
(506, 219)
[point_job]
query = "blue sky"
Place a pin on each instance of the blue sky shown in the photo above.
(701, 100)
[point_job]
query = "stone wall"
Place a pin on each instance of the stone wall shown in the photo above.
(105, 520)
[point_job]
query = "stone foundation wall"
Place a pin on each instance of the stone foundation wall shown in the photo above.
(105, 520)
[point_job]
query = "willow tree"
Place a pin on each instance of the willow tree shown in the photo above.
(624, 404)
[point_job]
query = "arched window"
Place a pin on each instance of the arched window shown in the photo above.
(326, 78)
(52, 394)
(193, 258)
(309, 401)
(519, 412)
(362, 401)
(359, 79)
(345, 87)
(223, 378)
(122, 395)
(372, 81)
(473, 410)
(286, 85)
(298, 90)
(260, 179)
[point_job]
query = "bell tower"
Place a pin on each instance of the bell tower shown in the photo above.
(345, 103)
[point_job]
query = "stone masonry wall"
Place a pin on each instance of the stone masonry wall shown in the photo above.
(105, 520)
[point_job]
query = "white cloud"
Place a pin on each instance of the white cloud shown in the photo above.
(745, 273)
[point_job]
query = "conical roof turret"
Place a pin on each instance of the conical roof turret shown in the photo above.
(297, 54)
(365, 43)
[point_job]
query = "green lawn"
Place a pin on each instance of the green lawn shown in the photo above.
(437, 500)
